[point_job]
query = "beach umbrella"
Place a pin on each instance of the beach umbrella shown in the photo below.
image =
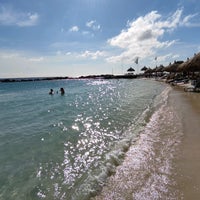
(168, 68)
(154, 69)
(193, 64)
(173, 67)
(130, 69)
(149, 70)
(182, 66)
(144, 68)
(159, 69)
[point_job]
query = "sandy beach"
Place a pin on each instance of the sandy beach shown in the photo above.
(187, 105)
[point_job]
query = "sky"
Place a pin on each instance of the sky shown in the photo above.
(42, 38)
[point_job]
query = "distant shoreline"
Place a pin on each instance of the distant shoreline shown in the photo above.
(105, 76)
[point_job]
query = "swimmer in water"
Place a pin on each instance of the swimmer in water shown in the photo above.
(62, 91)
(51, 92)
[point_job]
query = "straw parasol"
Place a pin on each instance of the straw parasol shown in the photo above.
(149, 70)
(159, 69)
(144, 68)
(130, 69)
(194, 64)
(182, 66)
(152, 70)
(173, 67)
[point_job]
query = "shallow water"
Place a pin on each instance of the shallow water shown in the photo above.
(66, 147)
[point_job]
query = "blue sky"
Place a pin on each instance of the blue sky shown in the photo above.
(84, 37)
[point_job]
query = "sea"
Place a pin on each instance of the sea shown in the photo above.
(102, 139)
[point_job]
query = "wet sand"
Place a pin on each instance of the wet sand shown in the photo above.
(165, 161)
(187, 177)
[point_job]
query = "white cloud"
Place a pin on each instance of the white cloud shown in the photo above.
(9, 17)
(190, 21)
(93, 25)
(143, 36)
(93, 55)
(74, 29)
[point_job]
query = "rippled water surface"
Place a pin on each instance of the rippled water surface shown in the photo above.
(65, 147)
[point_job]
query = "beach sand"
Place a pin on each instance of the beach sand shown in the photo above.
(187, 105)
(165, 161)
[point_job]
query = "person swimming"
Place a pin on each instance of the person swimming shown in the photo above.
(51, 92)
(62, 91)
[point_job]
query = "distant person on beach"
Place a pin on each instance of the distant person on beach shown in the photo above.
(51, 92)
(62, 91)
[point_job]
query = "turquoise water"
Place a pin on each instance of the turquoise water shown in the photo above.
(65, 147)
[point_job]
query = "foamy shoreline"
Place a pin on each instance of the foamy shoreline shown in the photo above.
(187, 106)
(171, 171)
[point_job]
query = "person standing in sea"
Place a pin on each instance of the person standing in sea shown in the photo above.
(62, 91)
(51, 92)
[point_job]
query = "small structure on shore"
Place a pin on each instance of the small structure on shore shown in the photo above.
(130, 71)
(144, 68)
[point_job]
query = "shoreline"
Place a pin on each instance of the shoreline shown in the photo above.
(180, 160)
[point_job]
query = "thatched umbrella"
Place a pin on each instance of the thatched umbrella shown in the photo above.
(159, 69)
(149, 70)
(182, 67)
(144, 68)
(194, 64)
(154, 69)
(130, 70)
(173, 67)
